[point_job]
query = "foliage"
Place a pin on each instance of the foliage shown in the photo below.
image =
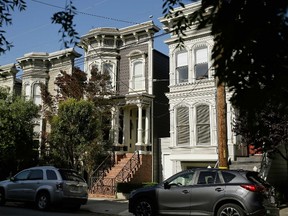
(67, 30)
(69, 36)
(74, 130)
(17, 149)
(250, 57)
(70, 131)
(6, 6)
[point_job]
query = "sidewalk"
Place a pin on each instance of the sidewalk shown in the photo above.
(107, 206)
(120, 207)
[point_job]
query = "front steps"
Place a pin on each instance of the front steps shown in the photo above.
(247, 163)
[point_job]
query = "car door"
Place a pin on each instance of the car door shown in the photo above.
(208, 189)
(15, 188)
(174, 196)
(33, 182)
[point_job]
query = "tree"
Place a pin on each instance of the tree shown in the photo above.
(250, 56)
(17, 150)
(69, 35)
(74, 130)
(76, 93)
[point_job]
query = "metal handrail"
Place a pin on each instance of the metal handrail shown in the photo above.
(101, 170)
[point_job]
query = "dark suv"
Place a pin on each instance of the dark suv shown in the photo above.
(45, 185)
(203, 191)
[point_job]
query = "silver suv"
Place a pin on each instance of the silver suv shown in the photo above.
(204, 191)
(45, 185)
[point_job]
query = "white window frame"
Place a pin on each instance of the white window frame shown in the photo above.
(182, 126)
(181, 66)
(201, 60)
(200, 126)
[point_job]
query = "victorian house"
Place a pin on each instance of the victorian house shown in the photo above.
(139, 80)
(192, 99)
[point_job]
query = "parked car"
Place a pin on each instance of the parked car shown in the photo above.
(45, 185)
(203, 191)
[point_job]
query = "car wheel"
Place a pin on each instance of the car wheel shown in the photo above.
(2, 197)
(230, 210)
(43, 201)
(144, 208)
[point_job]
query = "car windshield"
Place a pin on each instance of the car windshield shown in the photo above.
(70, 175)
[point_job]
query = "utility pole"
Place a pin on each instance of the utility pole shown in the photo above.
(222, 126)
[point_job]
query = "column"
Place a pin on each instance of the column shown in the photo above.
(147, 126)
(140, 130)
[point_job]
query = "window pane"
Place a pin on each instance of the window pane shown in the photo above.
(51, 175)
(182, 74)
(182, 59)
(201, 55)
(27, 90)
(183, 135)
(36, 175)
(203, 125)
(201, 70)
(138, 69)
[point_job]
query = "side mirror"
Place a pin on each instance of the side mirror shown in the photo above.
(166, 185)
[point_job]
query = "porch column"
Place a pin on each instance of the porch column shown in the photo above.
(115, 125)
(126, 127)
(147, 126)
(140, 130)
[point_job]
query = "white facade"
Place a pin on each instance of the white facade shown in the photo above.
(192, 101)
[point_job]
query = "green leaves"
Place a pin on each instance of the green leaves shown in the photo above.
(69, 36)
(16, 133)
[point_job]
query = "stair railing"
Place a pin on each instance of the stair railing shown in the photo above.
(125, 173)
(101, 170)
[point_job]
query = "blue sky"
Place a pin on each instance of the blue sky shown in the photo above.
(32, 30)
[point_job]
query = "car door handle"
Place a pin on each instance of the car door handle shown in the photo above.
(185, 191)
(219, 189)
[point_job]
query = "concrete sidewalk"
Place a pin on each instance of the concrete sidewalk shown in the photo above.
(115, 207)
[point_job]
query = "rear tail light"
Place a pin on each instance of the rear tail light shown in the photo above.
(253, 188)
(59, 186)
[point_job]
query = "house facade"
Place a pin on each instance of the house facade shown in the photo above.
(139, 79)
(137, 72)
(193, 103)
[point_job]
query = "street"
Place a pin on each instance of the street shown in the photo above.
(21, 209)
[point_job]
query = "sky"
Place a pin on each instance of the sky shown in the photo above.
(32, 30)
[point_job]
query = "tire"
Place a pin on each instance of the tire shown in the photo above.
(2, 197)
(144, 207)
(43, 201)
(231, 210)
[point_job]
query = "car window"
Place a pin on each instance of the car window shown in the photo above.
(254, 177)
(228, 177)
(22, 175)
(36, 175)
(208, 177)
(51, 175)
(70, 175)
(184, 179)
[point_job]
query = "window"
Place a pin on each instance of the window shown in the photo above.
(37, 94)
(22, 175)
(138, 76)
(208, 177)
(203, 125)
(51, 175)
(184, 179)
(228, 177)
(108, 70)
(201, 63)
(183, 137)
(27, 92)
(182, 67)
(36, 175)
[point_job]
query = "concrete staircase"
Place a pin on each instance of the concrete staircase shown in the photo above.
(122, 171)
(247, 163)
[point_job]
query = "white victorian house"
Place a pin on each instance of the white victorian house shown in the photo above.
(192, 100)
